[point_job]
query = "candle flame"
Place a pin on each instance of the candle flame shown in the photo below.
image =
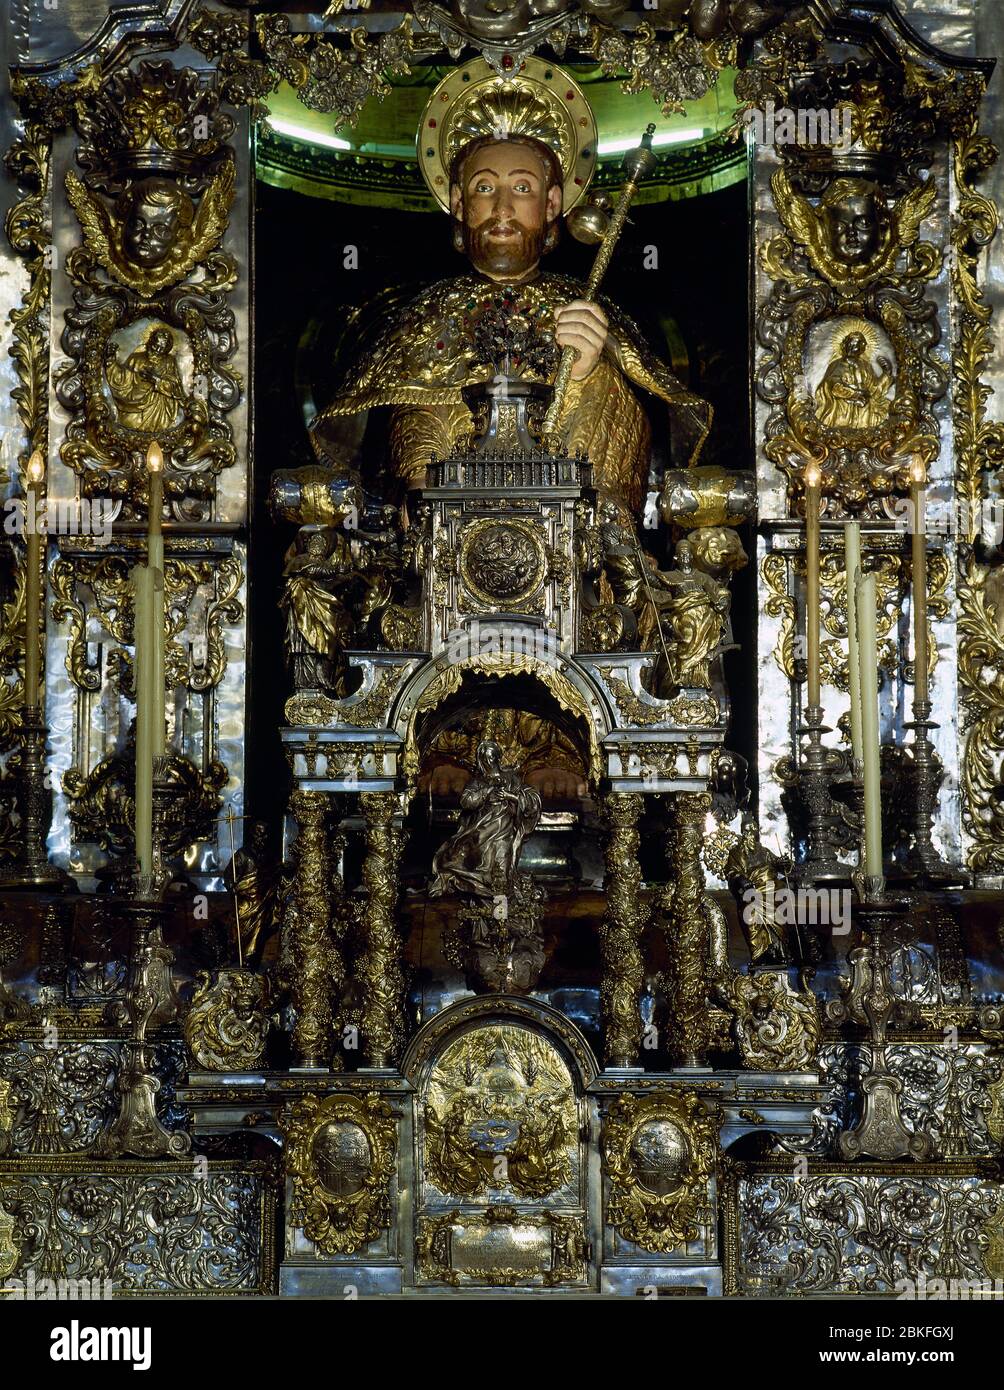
(155, 457)
(36, 468)
(918, 472)
(813, 474)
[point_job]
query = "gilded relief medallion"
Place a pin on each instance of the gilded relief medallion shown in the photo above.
(500, 1115)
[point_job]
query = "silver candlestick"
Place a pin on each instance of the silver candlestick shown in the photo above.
(31, 868)
(818, 767)
(924, 776)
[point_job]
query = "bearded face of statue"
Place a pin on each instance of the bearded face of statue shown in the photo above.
(506, 205)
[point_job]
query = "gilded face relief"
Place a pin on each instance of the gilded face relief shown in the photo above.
(853, 210)
(156, 215)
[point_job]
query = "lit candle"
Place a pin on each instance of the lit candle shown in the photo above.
(142, 578)
(813, 479)
(852, 565)
(33, 583)
(155, 562)
(868, 675)
(918, 498)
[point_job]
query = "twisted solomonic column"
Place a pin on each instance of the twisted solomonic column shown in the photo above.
(318, 970)
(381, 969)
(686, 930)
(623, 966)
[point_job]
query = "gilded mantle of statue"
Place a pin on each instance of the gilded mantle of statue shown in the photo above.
(506, 160)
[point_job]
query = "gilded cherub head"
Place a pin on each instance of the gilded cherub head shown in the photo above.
(856, 216)
(153, 235)
(854, 236)
(155, 217)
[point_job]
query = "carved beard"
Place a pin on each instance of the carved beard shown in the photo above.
(513, 257)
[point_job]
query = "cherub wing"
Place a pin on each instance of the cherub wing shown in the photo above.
(214, 210)
(93, 217)
(796, 213)
(911, 210)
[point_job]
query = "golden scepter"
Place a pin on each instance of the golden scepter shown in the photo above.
(637, 163)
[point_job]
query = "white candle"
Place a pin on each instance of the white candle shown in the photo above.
(813, 479)
(918, 496)
(852, 566)
(142, 578)
(868, 667)
(33, 583)
(155, 562)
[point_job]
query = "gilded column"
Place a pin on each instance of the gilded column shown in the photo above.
(686, 929)
(317, 966)
(623, 967)
(381, 969)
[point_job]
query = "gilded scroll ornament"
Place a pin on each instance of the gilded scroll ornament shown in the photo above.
(981, 676)
(780, 604)
(129, 1224)
(777, 1027)
(101, 804)
(500, 1114)
(26, 228)
(659, 1157)
(8, 1246)
(365, 708)
(841, 1223)
(226, 1024)
(979, 443)
(341, 1152)
(631, 707)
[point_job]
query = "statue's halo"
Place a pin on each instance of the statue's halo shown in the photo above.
(540, 99)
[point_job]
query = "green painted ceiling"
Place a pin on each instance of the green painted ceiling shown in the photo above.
(306, 150)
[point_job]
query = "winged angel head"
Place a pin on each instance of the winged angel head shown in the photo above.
(853, 237)
(154, 235)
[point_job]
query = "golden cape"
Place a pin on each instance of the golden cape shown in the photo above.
(426, 355)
